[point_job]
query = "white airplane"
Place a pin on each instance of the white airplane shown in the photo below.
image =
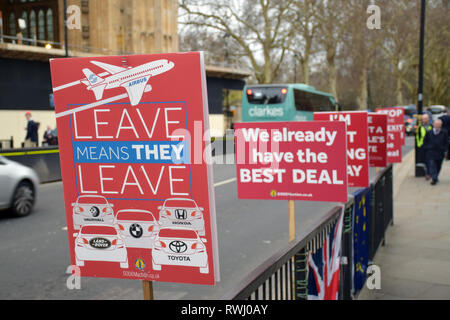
(133, 79)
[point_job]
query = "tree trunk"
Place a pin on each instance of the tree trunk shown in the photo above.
(399, 90)
(332, 77)
(363, 92)
(305, 71)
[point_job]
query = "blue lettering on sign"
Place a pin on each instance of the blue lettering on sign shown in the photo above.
(170, 152)
(135, 82)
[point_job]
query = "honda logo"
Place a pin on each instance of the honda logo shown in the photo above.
(181, 214)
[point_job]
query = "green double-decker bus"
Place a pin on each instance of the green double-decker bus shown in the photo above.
(284, 102)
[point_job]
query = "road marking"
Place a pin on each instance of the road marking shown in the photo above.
(221, 183)
(9, 154)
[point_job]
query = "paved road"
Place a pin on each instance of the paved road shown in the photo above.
(35, 255)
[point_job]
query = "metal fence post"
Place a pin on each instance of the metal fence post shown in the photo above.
(372, 223)
(301, 275)
(346, 254)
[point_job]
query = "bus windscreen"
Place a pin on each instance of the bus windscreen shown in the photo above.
(266, 95)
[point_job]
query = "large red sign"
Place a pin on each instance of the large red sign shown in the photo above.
(133, 208)
(291, 161)
(396, 133)
(377, 139)
(357, 144)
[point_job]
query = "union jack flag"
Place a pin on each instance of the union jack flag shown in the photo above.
(324, 265)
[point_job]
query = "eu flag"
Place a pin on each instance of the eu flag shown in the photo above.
(361, 237)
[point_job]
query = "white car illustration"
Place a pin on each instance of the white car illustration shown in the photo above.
(100, 243)
(92, 210)
(137, 227)
(179, 212)
(179, 247)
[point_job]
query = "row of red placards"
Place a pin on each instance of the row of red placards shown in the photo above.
(318, 160)
(138, 208)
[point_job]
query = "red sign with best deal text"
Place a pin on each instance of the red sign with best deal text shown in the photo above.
(133, 208)
(357, 144)
(291, 161)
(377, 139)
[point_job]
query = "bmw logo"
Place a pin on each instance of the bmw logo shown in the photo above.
(136, 230)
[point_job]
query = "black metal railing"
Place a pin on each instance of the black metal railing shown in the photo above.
(284, 276)
(48, 44)
(7, 143)
(382, 209)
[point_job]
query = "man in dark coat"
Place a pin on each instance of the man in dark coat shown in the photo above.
(446, 125)
(435, 145)
(32, 130)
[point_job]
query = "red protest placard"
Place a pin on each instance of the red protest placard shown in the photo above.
(133, 209)
(291, 161)
(357, 144)
(396, 134)
(377, 139)
(394, 147)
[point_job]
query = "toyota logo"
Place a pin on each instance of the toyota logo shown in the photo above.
(181, 214)
(178, 246)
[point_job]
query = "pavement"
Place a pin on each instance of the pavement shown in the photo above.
(415, 261)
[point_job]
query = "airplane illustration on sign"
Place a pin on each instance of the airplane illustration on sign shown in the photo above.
(133, 79)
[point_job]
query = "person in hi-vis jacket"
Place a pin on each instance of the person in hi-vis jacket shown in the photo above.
(421, 131)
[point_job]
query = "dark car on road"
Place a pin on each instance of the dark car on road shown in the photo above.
(410, 119)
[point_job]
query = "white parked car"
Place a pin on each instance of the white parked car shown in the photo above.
(179, 247)
(92, 210)
(137, 227)
(100, 243)
(437, 111)
(179, 212)
(18, 187)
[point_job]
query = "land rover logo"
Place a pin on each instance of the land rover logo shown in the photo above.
(178, 246)
(181, 214)
(94, 211)
(100, 243)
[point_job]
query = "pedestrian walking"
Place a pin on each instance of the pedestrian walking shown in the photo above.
(31, 139)
(446, 125)
(435, 144)
(421, 132)
(428, 112)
